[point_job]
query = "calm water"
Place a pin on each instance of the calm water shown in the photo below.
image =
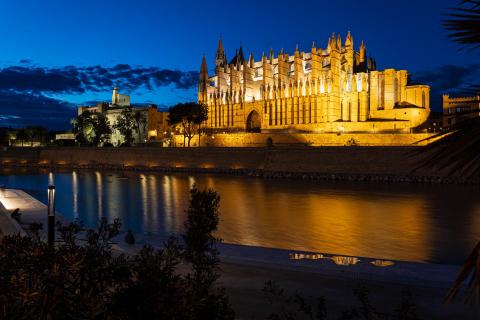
(405, 222)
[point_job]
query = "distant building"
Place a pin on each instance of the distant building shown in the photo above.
(456, 110)
(154, 128)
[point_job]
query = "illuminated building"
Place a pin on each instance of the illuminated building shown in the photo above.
(153, 128)
(336, 89)
(456, 110)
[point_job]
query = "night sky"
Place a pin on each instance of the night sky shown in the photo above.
(55, 55)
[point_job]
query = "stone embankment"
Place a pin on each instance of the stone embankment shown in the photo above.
(364, 164)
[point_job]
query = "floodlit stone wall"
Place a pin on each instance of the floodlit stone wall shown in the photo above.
(346, 160)
(310, 139)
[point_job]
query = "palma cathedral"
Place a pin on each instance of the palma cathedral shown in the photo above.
(334, 89)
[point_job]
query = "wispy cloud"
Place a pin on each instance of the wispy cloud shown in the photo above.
(71, 79)
(27, 90)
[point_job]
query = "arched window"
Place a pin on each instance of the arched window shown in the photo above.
(423, 99)
(308, 66)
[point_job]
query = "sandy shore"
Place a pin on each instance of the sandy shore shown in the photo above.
(245, 270)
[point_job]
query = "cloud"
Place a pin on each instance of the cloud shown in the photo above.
(71, 79)
(24, 109)
(27, 91)
(452, 79)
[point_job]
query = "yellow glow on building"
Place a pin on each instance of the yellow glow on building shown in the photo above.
(310, 91)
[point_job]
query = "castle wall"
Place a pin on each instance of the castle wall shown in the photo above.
(457, 110)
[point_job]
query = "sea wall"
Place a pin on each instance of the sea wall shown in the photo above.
(310, 139)
(322, 163)
(361, 160)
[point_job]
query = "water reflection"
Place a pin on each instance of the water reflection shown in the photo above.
(74, 195)
(99, 181)
(406, 222)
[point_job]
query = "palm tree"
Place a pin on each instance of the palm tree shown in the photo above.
(469, 272)
(464, 26)
(463, 23)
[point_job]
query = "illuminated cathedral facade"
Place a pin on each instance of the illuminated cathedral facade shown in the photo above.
(336, 89)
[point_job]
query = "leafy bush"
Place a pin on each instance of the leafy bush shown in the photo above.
(82, 277)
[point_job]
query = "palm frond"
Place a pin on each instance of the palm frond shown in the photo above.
(470, 274)
(464, 24)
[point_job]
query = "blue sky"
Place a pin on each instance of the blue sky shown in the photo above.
(152, 49)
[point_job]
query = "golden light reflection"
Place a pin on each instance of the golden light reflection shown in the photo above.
(152, 183)
(330, 221)
(144, 195)
(99, 183)
(113, 191)
(51, 181)
(191, 182)
(178, 190)
(167, 198)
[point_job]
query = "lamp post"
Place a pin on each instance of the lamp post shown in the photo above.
(51, 214)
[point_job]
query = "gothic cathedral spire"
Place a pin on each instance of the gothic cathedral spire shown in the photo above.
(220, 57)
(202, 81)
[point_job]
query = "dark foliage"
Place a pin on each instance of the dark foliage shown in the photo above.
(463, 23)
(91, 128)
(4, 137)
(140, 123)
(126, 125)
(82, 277)
(457, 154)
(189, 116)
(296, 307)
(22, 135)
(469, 275)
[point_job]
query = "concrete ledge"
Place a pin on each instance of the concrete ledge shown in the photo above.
(8, 225)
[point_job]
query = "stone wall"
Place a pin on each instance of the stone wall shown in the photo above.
(346, 160)
(311, 139)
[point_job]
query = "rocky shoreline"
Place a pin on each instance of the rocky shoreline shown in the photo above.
(264, 174)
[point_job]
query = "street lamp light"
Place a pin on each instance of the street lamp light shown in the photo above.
(51, 214)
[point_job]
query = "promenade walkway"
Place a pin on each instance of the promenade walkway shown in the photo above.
(31, 211)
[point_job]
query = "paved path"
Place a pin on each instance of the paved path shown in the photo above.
(31, 210)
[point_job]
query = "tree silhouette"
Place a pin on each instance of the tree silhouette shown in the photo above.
(140, 123)
(91, 128)
(125, 124)
(189, 116)
(22, 135)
